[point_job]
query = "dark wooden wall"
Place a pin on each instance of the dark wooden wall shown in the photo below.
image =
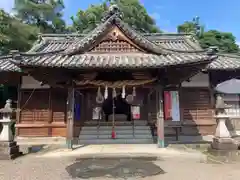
(43, 113)
(197, 111)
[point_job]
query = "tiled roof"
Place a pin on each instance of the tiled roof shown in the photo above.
(6, 65)
(126, 60)
(175, 41)
(53, 42)
(71, 50)
(137, 38)
(225, 62)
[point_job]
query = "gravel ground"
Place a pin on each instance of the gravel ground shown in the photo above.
(31, 168)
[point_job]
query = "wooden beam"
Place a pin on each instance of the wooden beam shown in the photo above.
(40, 125)
(70, 117)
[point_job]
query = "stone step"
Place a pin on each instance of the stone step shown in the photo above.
(116, 127)
(118, 136)
(115, 141)
(103, 132)
(119, 123)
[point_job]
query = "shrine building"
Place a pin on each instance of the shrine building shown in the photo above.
(116, 85)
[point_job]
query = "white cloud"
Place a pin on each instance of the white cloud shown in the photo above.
(238, 43)
(7, 5)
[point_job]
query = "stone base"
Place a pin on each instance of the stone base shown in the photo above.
(224, 144)
(9, 150)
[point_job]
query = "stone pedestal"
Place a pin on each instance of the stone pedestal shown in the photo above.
(222, 139)
(227, 144)
(222, 130)
(9, 150)
(8, 147)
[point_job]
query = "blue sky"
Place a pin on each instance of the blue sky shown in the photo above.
(222, 15)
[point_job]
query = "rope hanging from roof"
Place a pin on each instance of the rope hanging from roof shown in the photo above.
(116, 84)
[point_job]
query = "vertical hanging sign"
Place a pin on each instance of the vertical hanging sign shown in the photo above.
(96, 113)
(167, 105)
(175, 106)
(171, 106)
(135, 112)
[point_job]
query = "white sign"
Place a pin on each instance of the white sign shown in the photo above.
(175, 106)
(135, 112)
(96, 113)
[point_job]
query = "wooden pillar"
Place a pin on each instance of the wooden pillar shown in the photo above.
(50, 116)
(18, 112)
(70, 117)
(160, 118)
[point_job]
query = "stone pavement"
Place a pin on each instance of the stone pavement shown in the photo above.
(121, 150)
(167, 164)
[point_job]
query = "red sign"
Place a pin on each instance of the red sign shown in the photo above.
(167, 105)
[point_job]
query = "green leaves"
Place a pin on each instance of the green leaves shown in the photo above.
(14, 34)
(225, 41)
(45, 14)
(134, 14)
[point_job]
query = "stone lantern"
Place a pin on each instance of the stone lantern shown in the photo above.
(222, 139)
(8, 147)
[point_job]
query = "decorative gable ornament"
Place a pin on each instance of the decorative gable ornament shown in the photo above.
(113, 10)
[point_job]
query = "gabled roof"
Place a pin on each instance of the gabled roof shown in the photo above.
(174, 41)
(59, 42)
(72, 50)
(143, 42)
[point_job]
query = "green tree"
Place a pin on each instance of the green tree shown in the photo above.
(134, 14)
(225, 41)
(45, 14)
(15, 35)
(186, 27)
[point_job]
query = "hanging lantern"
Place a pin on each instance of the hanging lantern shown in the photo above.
(129, 99)
(134, 92)
(114, 93)
(106, 92)
(123, 92)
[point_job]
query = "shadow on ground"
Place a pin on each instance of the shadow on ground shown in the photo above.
(113, 168)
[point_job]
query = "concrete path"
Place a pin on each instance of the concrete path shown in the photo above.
(124, 150)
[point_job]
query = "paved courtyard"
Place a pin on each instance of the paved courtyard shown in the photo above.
(38, 166)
